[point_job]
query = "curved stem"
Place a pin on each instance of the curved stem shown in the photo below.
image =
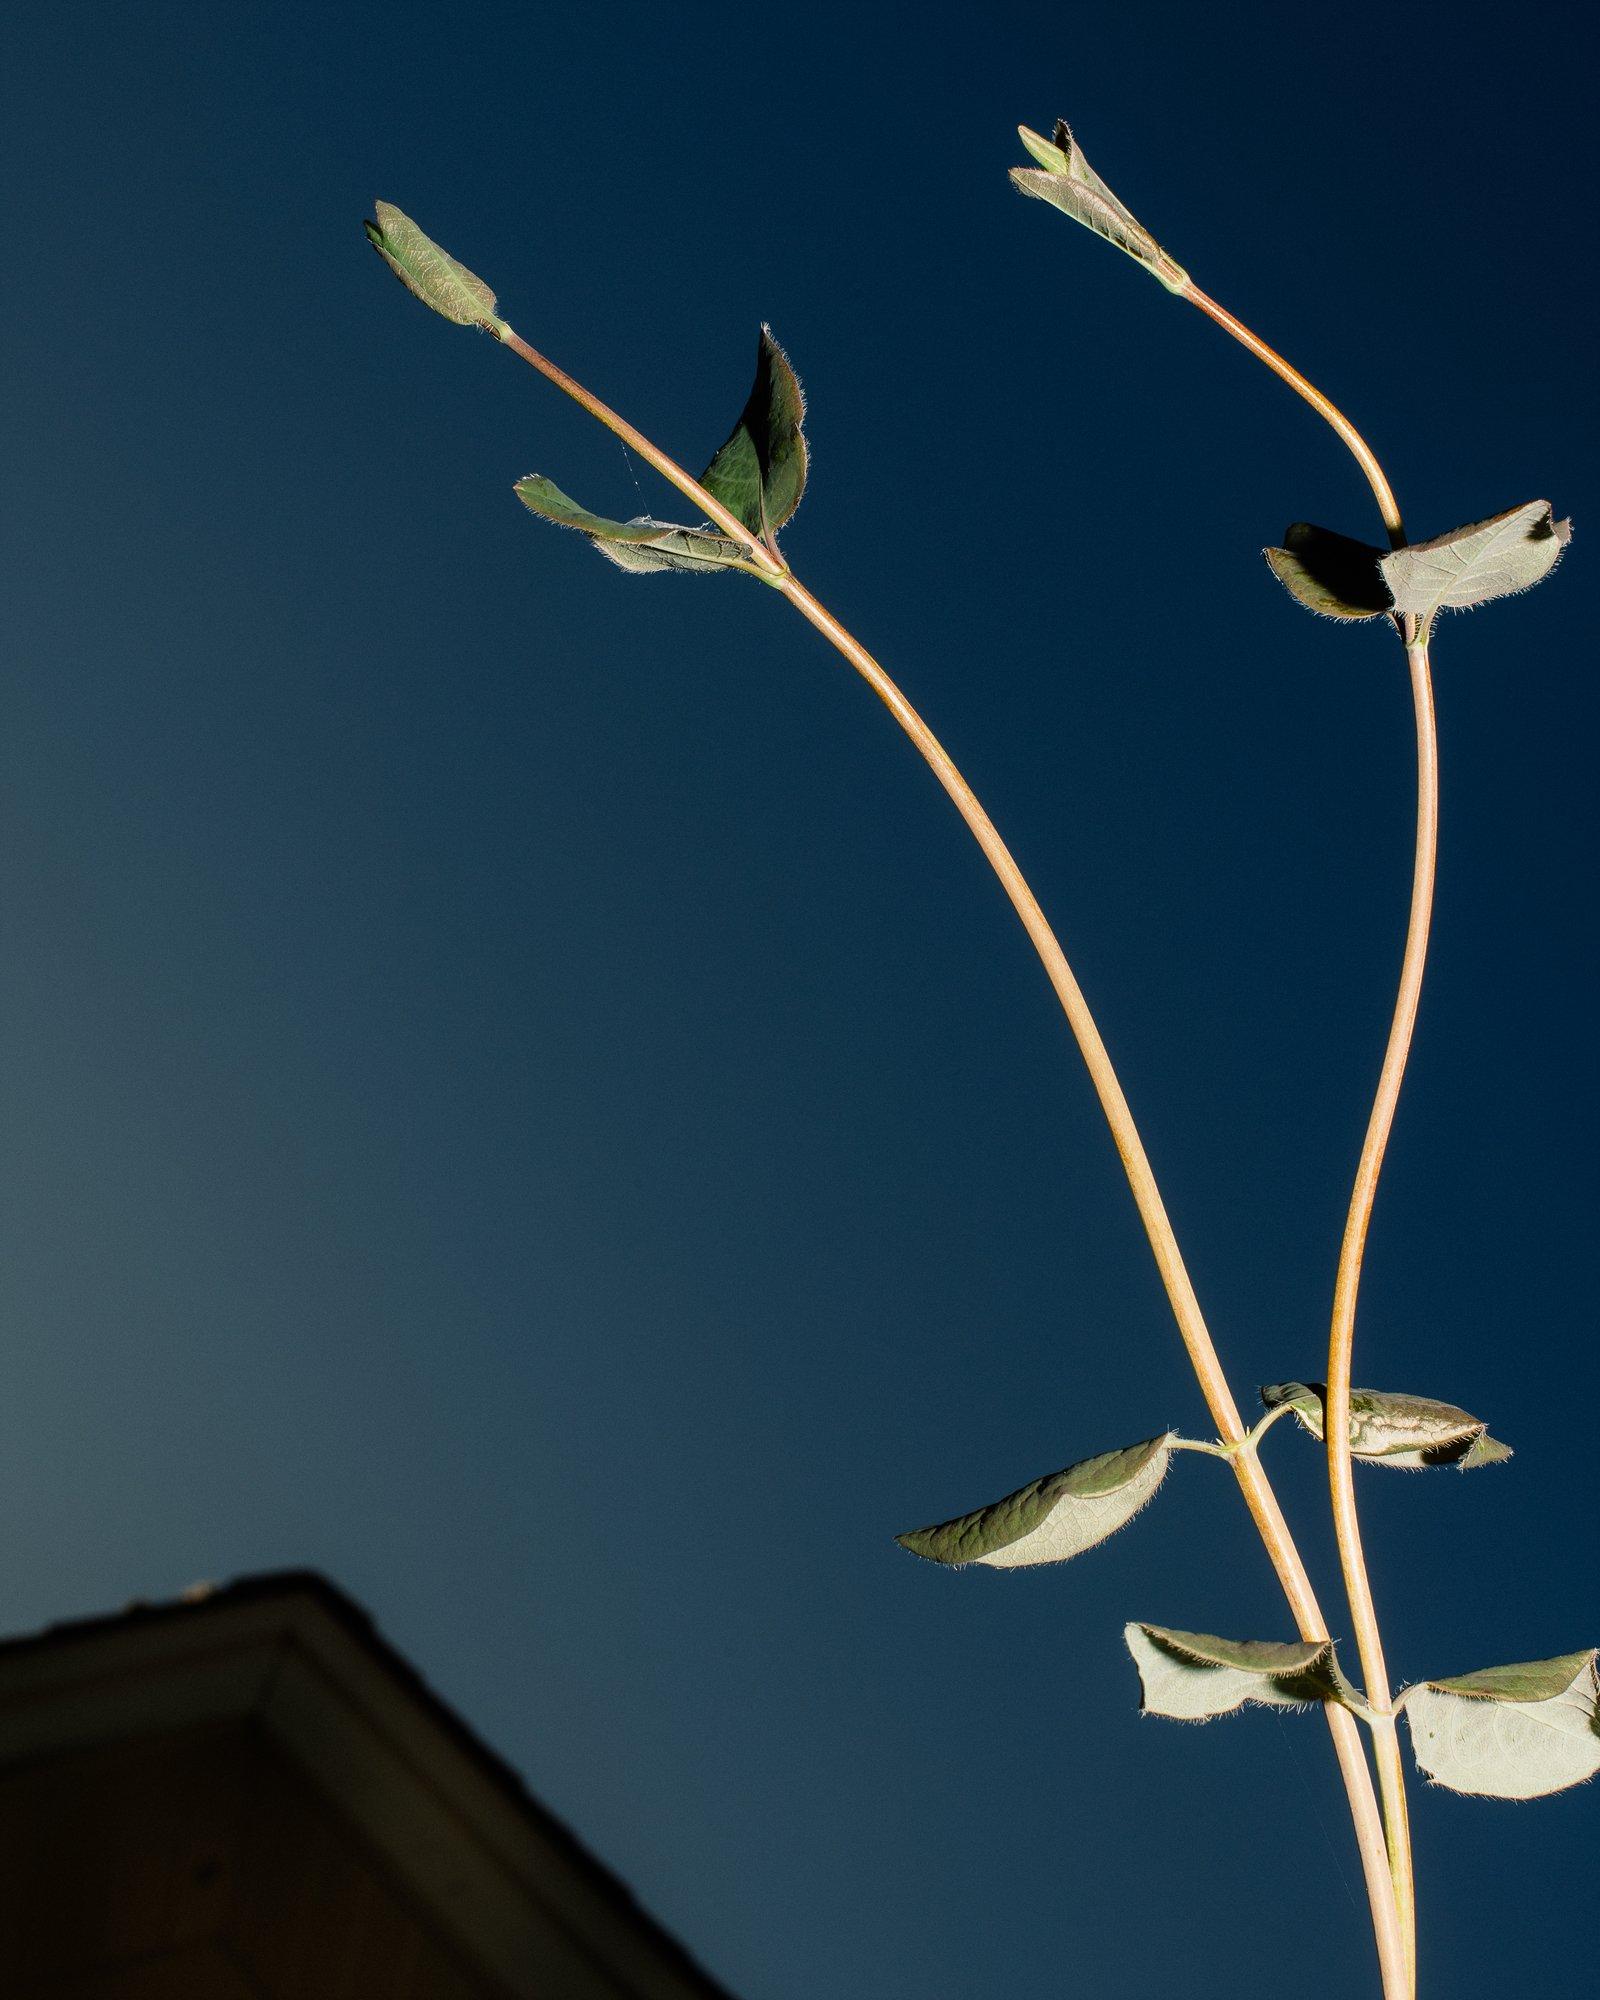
(1259, 1497)
(1336, 1425)
(1359, 449)
(1256, 1488)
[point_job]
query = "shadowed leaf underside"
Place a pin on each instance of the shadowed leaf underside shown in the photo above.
(1192, 1676)
(1330, 574)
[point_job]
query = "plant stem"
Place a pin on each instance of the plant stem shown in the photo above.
(1336, 1418)
(1258, 1494)
(1257, 1490)
(1359, 449)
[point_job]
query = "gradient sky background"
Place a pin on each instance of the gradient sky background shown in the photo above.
(521, 1094)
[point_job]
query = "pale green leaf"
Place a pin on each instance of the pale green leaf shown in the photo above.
(1392, 1429)
(1066, 179)
(1191, 1676)
(1054, 1518)
(432, 274)
(1493, 558)
(759, 474)
(1515, 1732)
(1483, 1450)
(1330, 574)
(641, 545)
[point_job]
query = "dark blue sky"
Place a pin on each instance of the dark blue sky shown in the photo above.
(520, 1093)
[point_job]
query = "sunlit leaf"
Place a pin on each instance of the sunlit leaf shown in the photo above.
(1330, 574)
(431, 273)
(759, 474)
(1066, 179)
(641, 545)
(1054, 1518)
(1409, 1431)
(1509, 1732)
(1191, 1676)
(1493, 558)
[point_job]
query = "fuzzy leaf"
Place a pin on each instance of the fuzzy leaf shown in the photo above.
(432, 274)
(1066, 179)
(1409, 1431)
(1330, 574)
(1192, 1676)
(759, 474)
(1493, 558)
(1509, 1732)
(1054, 1518)
(641, 545)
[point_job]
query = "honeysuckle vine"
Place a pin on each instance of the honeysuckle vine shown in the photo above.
(1514, 1731)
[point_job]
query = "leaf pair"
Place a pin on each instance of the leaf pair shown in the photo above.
(1340, 578)
(1411, 1431)
(1517, 1732)
(759, 475)
(1069, 183)
(1055, 1518)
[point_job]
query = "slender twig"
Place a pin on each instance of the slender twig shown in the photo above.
(1336, 1414)
(1336, 1418)
(1359, 449)
(1257, 1490)
(1259, 1497)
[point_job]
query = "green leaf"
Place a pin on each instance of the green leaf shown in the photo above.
(759, 474)
(1409, 1431)
(1066, 179)
(1192, 1676)
(431, 273)
(1330, 574)
(641, 545)
(1054, 1518)
(1493, 558)
(1509, 1732)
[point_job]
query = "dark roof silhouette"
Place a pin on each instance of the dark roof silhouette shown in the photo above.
(287, 1653)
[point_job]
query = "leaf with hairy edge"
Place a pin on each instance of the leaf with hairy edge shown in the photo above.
(1191, 1676)
(641, 545)
(759, 474)
(1509, 1732)
(432, 274)
(1066, 179)
(1409, 1431)
(1493, 558)
(1054, 1518)
(1330, 574)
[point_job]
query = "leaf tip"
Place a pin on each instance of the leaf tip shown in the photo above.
(1051, 157)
